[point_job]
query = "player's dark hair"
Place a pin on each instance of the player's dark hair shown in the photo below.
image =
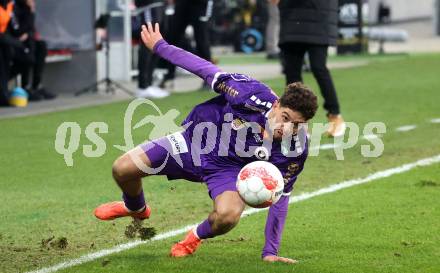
(300, 98)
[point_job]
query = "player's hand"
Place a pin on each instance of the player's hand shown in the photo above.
(151, 35)
(274, 259)
(23, 37)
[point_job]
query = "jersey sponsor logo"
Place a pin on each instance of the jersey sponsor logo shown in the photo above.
(223, 88)
(291, 170)
(178, 143)
(293, 167)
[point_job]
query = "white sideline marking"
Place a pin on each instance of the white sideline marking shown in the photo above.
(406, 128)
(304, 196)
(435, 120)
(328, 146)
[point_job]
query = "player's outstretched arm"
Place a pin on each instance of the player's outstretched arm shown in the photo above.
(274, 229)
(154, 41)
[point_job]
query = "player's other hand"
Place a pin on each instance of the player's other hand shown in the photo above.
(151, 35)
(273, 259)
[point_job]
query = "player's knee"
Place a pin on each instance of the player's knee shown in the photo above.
(228, 218)
(120, 169)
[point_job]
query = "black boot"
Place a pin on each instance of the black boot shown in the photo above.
(45, 94)
(34, 95)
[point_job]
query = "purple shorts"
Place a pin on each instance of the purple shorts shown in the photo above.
(171, 156)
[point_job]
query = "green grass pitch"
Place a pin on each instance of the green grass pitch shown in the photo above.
(390, 225)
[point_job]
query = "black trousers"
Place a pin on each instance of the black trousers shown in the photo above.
(196, 13)
(31, 59)
(4, 73)
(147, 61)
(293, 58)
(40, 63)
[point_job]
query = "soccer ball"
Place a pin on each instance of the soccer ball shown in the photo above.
(260, 184)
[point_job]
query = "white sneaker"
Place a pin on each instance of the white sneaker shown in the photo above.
(337, 126)
(159, 92)
(152, 92)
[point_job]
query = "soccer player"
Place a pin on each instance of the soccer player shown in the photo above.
(242, 101)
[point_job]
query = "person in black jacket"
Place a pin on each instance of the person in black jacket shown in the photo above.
(32, 55)
(6, 8)
(196, 13)
(311, 26)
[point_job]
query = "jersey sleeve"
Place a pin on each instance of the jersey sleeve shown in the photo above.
(273, 231)
(278, 212)
(186, 60)
(244, 94)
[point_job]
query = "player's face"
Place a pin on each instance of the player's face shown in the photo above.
(284, 120)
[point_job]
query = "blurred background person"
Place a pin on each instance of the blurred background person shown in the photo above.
(196, 13)
(383, 13)
(31, 57)
(6, 10)
(147, 61)
(272, 30)
(311, 27)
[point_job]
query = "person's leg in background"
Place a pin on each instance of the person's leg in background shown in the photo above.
(38, 70)
(29, 60)
(176, 31)
(318, 64)
(144, 57)
(292, 59)
(200, 19)
(147, 61)
(22, 61)
(273, 31)
(4, 71)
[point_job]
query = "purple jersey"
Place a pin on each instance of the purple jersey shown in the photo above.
(239, 116)
(245, 100)
(242, 100)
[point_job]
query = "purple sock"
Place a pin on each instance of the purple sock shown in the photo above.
(134, 203)
(204, 230)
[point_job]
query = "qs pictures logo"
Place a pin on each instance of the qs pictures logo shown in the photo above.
(68, 135)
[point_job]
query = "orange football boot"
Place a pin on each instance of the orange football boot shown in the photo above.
(187, 246)
(113, 210)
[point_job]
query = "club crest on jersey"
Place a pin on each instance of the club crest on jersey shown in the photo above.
(262, 153)
(238, 124)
